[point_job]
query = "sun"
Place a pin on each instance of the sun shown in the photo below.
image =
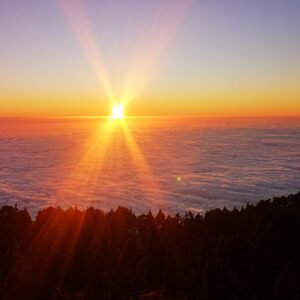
(118, 112)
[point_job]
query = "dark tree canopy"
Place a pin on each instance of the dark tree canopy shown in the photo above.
(251, 253)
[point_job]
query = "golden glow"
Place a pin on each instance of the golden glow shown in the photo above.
(252, 96)
(101, 156)
(118, 112)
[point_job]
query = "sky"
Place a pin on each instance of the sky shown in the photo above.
(158, 57)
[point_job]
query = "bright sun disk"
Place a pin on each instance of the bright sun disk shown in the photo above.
(118, 112)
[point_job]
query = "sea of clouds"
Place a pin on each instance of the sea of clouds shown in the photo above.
(189, 166)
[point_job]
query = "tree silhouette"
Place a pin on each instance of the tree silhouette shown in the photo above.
(251, 253)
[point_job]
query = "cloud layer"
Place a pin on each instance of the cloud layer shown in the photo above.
(194, 166)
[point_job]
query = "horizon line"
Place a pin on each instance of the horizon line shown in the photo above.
(142, 116)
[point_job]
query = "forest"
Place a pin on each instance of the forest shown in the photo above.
(247, 253)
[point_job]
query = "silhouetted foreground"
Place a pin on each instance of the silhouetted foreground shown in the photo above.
(253, 253)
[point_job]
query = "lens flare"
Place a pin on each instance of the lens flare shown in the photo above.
(146, 51)
(79, 23)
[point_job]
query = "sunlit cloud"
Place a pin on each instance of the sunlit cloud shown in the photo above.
(85, 173)
(101, 158)
(149, 183)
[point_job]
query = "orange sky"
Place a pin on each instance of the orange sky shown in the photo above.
(178, 58)
(232, 104)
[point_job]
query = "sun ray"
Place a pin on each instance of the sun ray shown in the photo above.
(148, 51)
(48, 231)
(81, 178)
(88, 171)
(150, 185)
(80, 25)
